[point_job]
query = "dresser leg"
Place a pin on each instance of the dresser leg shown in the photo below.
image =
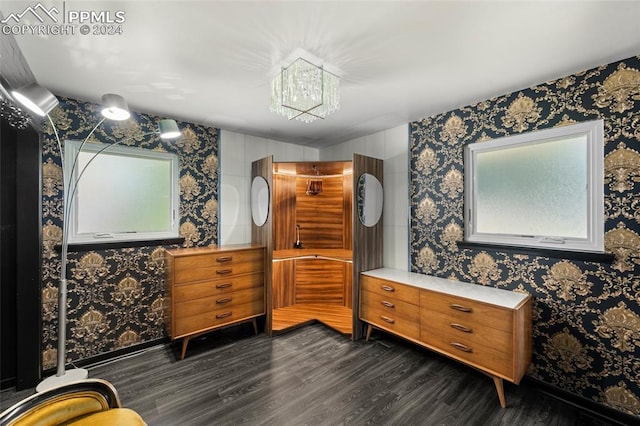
(369, 328)
(185, 342)
(500, 388)
(255, 326)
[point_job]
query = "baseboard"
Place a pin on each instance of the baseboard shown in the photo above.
(596, 410)
(110, 356)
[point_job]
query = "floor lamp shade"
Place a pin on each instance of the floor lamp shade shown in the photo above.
(168, 129)
(114, 107)
(36, 98)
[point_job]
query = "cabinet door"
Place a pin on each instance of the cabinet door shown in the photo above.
(319, 281)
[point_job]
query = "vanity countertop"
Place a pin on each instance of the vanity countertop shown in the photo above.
(492, 295)
(337, 254)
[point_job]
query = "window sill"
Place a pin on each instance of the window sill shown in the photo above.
(80, 247)
(556, 254)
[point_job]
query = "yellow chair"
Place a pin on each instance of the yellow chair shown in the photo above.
(91, 402)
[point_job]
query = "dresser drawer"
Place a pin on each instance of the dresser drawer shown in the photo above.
(399, 292)
(183, 276)
(200, 289)
(223, 258)
(380, 317)
(219, 302)
(471, 333)
(485, 357)
(198, 323)
(390, 305)
(466, 310)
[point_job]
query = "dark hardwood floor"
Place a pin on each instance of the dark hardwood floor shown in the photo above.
(315, 376)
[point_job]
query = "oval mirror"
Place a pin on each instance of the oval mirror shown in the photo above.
(259, 200)
(369, 199)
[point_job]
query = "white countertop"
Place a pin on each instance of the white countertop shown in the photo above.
(492, 295)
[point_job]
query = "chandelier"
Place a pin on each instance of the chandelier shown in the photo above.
(305, 91)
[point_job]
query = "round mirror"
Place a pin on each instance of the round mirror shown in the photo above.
(259, 200)
(369, 199)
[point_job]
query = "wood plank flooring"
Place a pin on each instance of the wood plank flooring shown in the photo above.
(315, 376)
(340, 318)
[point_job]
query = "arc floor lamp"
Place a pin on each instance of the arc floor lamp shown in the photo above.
(41, 101)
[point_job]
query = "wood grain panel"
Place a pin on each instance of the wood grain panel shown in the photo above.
(434, 324)
(523, 338)
(319, 281)
(367, 241)
(391, 305)
(337, 317)
(218, 303)
(284, 283)
(348, 284)
(222, 259)
(391, 289)
(263, 235)
(216, 272)
(347, 208)
(284, 212)
(321, 217)
(467, 310)
(217, 287)
(385, 320)
(213, 319)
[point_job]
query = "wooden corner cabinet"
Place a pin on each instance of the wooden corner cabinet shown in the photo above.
(486, 328)
(207, 288)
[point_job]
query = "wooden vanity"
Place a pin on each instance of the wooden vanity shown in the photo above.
(207, 288)
(316, 240)
(483, 327)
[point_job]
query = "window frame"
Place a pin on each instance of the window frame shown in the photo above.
(594, 242)
(71, 150)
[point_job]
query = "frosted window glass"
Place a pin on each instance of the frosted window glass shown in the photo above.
(538, 190)
(123, 194)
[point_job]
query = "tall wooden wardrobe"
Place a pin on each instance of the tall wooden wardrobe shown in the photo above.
(310, 216)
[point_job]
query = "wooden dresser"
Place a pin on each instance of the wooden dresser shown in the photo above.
(212, 287)
(484, 327)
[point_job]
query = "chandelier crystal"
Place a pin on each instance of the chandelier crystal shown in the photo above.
(305, 91)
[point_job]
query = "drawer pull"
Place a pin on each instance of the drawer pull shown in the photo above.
(387, 288)
(460, 346)
(224, 259)
(387, 319)
(461, 327)
(460, 308)
(224, 285)
(388, 304)
(224, 271)
(223, 300)
(224, 315)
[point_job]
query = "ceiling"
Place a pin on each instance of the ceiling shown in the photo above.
(211, 62)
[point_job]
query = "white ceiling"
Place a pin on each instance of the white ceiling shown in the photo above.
(211, 62)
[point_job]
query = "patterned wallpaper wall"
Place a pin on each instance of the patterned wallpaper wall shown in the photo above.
(586, 332)
(115, 296)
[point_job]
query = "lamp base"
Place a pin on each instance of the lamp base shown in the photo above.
(69, 376)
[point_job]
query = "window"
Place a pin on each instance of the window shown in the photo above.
(541, 189)
(124, 194)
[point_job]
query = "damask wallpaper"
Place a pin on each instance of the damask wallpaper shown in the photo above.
(586, 326)
(115, 296)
